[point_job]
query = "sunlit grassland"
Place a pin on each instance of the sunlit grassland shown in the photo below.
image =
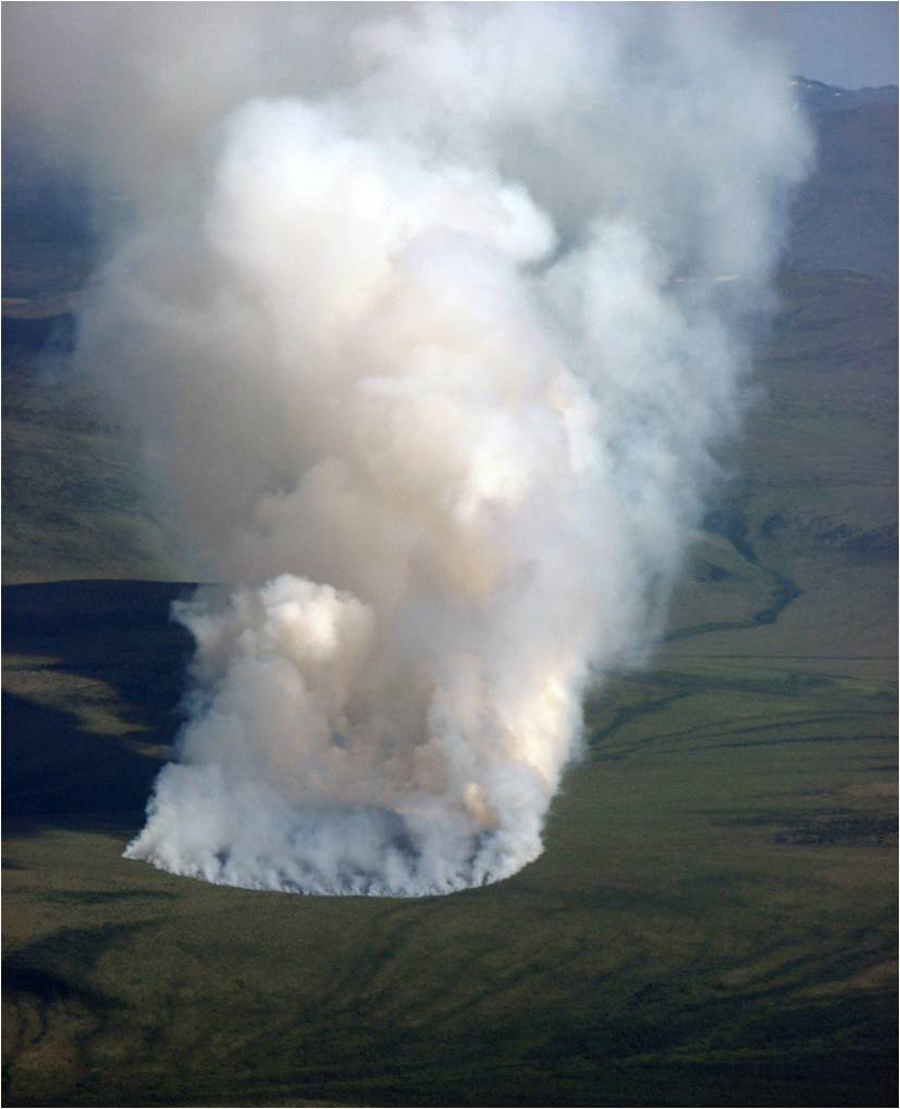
(711, 923)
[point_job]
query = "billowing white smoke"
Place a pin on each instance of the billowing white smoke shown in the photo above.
(428, 351)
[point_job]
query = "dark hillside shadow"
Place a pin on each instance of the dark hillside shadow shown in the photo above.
(52, 768)
(53, 333)
(56, 768)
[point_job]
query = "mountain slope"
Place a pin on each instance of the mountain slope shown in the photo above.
(845, 215)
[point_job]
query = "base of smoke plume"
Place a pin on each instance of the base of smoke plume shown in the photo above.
(335, 852)
(352, 883)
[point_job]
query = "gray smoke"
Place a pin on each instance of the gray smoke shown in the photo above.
(427, 322)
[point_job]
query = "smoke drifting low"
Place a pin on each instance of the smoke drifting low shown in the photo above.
(420, 326)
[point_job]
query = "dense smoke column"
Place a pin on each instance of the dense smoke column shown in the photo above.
(422, 323)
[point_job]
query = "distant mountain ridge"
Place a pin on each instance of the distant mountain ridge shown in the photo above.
(820, 97)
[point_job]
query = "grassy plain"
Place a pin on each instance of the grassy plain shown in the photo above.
(713, 919)
(712, 922)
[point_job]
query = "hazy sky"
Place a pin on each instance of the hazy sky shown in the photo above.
(848, 44)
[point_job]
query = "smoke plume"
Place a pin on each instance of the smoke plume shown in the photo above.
(422, 324)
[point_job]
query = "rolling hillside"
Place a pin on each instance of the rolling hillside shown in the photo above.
(713, 921)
